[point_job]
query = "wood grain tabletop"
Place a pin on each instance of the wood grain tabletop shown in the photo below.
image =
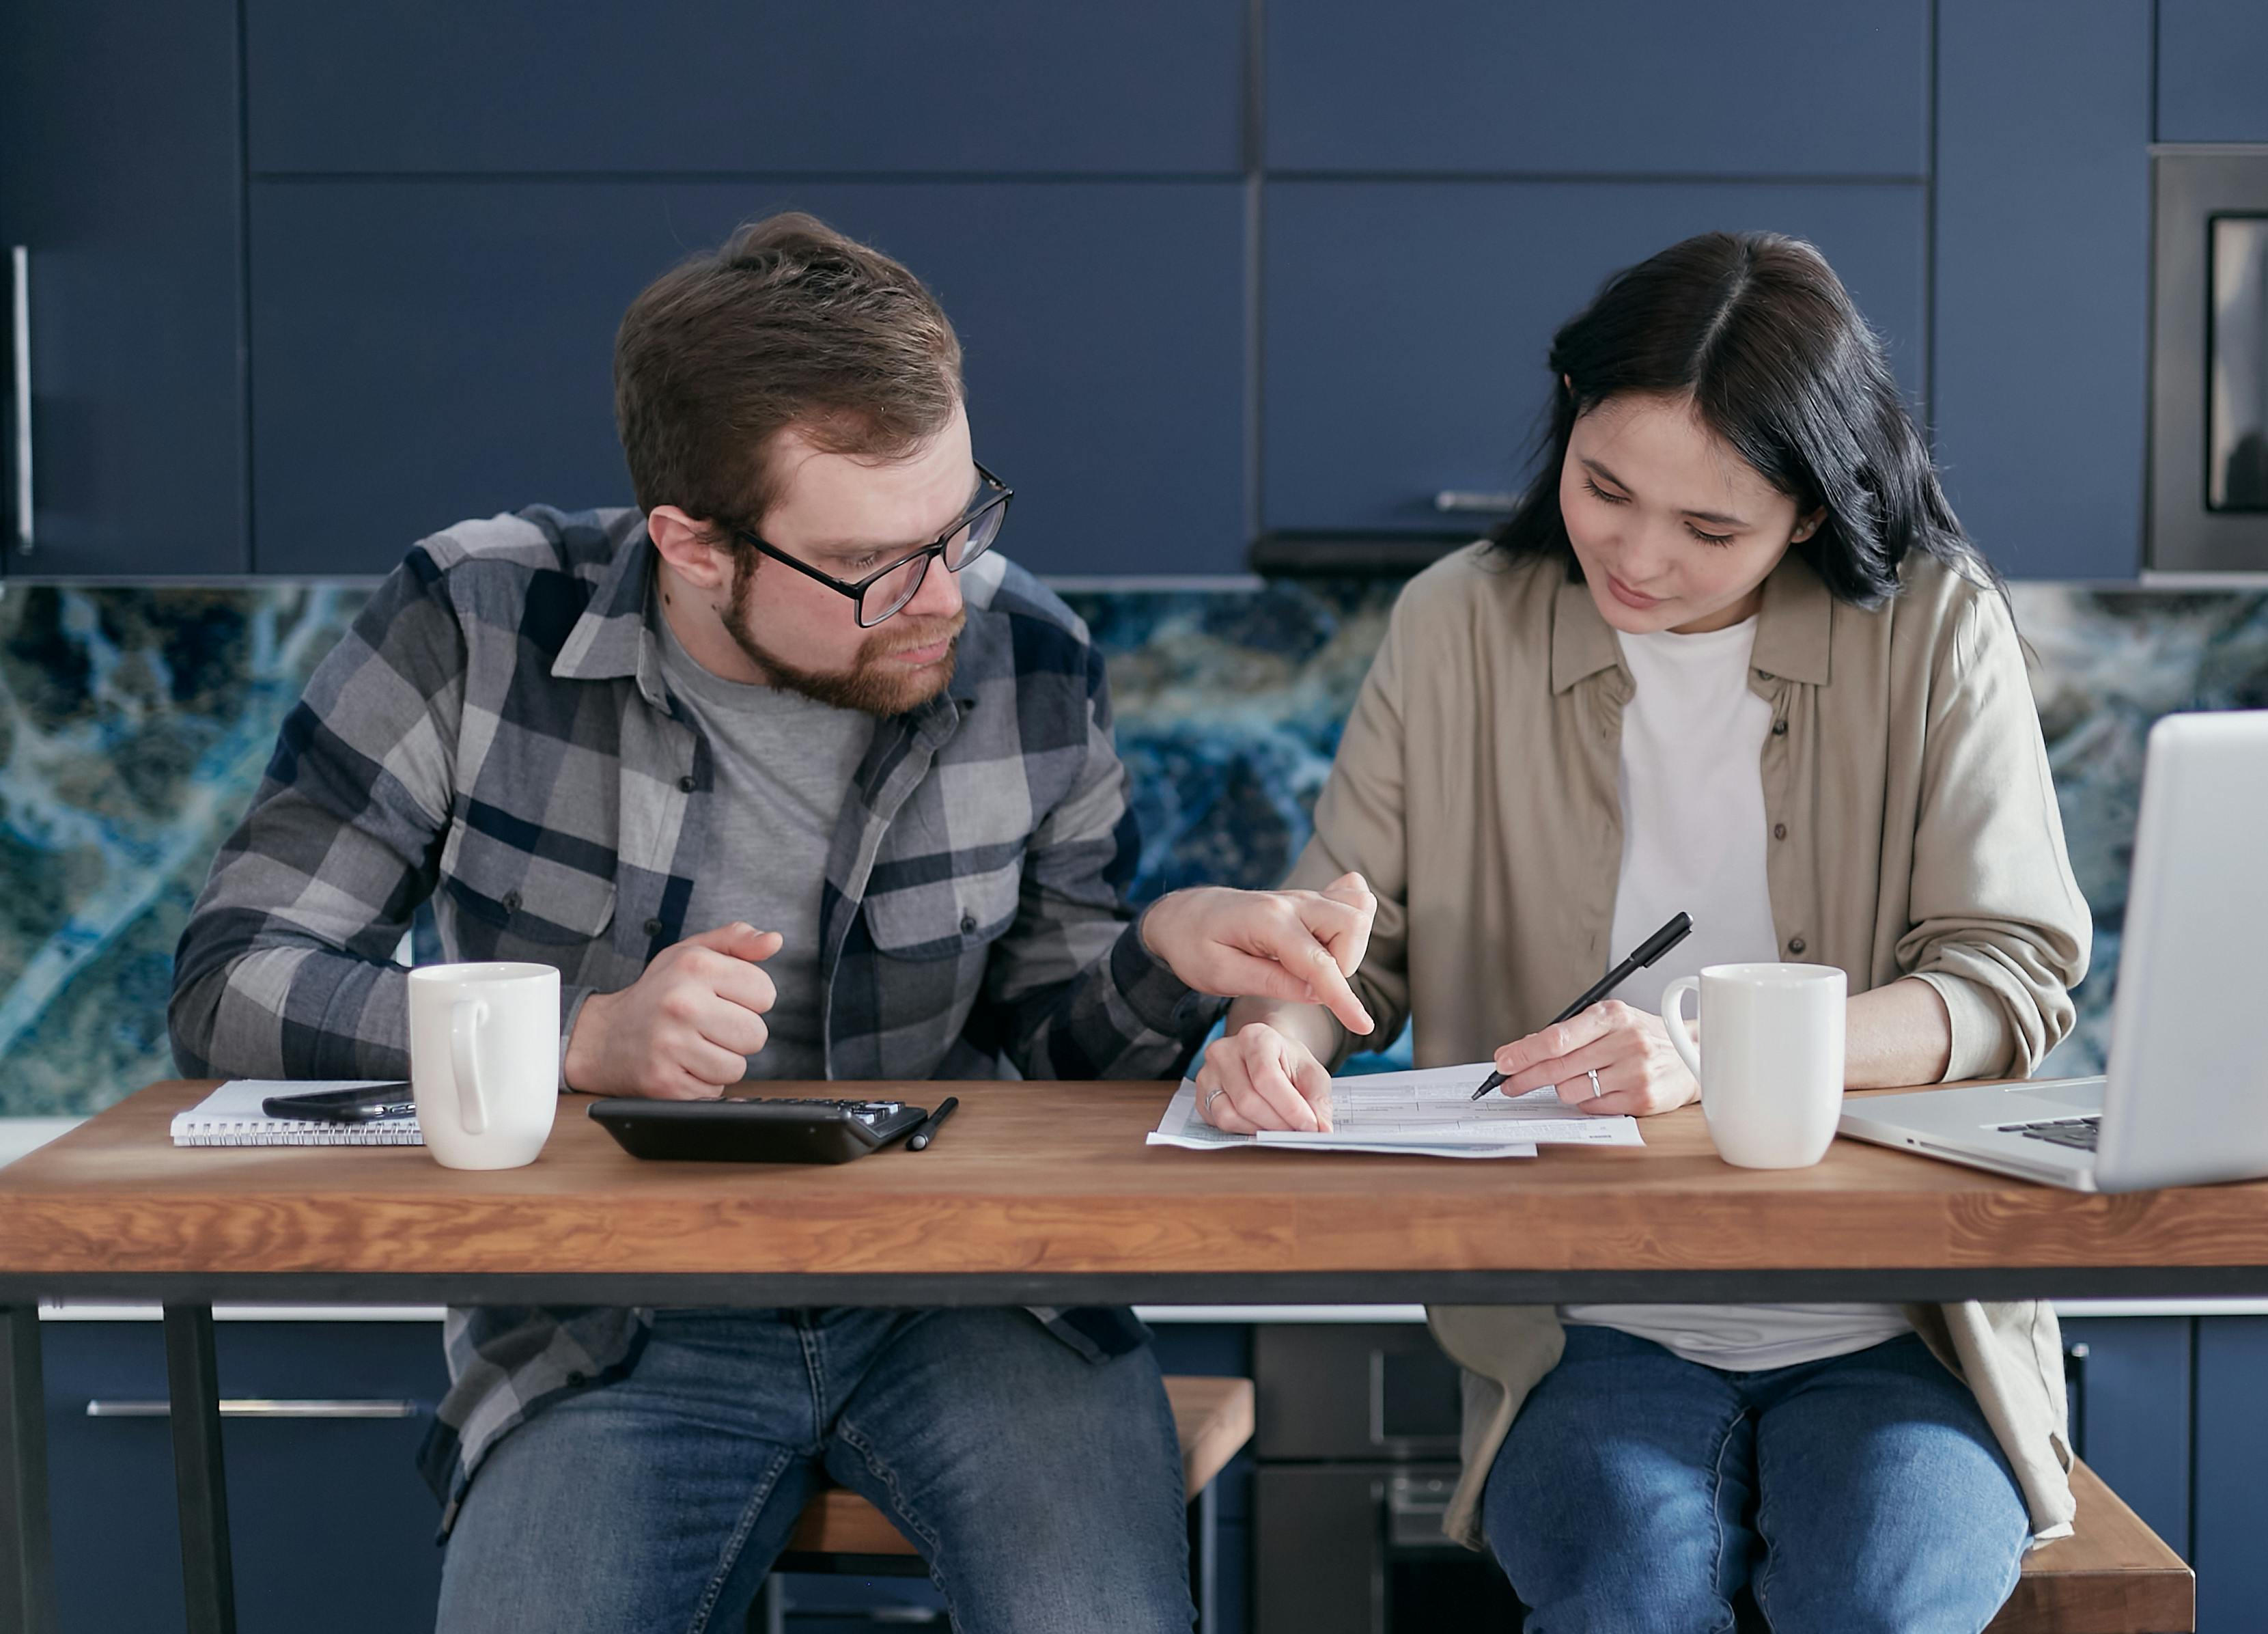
(1053, 1178)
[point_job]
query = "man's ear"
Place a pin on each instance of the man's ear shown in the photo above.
(691, 547)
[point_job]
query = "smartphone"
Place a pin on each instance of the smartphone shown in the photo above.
(364, 1102)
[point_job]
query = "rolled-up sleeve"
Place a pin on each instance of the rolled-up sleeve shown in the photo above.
(1999, 928)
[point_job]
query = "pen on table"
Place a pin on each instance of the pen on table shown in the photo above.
(1652, 948)
(925, 1131)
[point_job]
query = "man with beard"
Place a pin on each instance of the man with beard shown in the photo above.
(792, 777)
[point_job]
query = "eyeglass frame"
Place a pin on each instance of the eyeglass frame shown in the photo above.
(998, 500)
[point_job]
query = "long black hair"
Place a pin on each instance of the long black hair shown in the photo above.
(1759, 332)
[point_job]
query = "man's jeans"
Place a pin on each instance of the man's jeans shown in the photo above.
(1044, 1489)
(1639, 1492)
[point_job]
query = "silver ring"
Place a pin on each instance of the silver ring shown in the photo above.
(1211, 1095)
(1595, 1083)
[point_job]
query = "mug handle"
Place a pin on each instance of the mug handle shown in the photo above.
(466, 1017)
(1673, 1022)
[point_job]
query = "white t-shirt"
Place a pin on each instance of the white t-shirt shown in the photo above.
(1694, 839)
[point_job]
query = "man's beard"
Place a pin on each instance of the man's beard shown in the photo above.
(874, 684)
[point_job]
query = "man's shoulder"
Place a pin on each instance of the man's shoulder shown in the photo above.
(540, 539)
(1019, 628)
(995, 587)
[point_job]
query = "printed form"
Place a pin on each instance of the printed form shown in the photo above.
(1429, 1112)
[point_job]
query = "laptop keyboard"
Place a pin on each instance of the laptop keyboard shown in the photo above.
(2078, 1133)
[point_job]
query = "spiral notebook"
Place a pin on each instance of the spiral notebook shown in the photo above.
(231, 1116)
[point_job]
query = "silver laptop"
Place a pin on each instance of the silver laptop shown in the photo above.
(2184, 1098)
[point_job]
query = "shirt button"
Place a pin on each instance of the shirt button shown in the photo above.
(1763, 675)
(685, 784)
(578, 1380)
(511, 902)
(653, 927)
(1779, 728)
(969, 924)
(1780, 830)
(1795, 945)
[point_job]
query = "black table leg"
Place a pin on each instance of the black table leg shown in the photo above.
(193, 1382)
(1204, 1558)
(27, 1567)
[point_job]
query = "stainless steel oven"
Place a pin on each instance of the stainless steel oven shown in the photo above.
(2208, 506)
(1356, 1455)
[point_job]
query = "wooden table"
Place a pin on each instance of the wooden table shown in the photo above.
(1038, 1193)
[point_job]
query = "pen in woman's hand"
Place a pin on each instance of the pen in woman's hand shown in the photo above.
(1652, 948)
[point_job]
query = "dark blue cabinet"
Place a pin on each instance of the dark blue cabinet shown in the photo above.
(2232, 1474)
(121, 176)
(703, 86)
(1407, 323)
(1663, 87)
(331, 1526)
(2130, 1409)
(425, 351)
(2213, 71)
(2040, 385)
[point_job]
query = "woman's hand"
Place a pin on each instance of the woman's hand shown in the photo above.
(1639, 1072)
(1257, 1078)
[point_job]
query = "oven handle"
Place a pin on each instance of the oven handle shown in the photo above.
(254, 1407)
(1415, 1508)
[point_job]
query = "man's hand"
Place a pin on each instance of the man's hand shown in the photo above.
(1299, 945)
(683, 1031)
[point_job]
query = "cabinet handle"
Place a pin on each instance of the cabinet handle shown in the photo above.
(19, 268)
(1467, 501)
(257, 1407)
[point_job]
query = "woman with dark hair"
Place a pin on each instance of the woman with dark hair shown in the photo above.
(1732, 655)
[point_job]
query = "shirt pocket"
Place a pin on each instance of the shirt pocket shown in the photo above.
(945, 918)
(505, 895)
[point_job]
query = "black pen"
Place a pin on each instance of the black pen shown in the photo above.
(1652, 948)
(925, 1131)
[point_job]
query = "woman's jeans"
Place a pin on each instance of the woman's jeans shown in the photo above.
(1639, 1493)
(1044, 1489)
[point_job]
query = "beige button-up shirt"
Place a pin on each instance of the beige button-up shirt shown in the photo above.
(1914, 833)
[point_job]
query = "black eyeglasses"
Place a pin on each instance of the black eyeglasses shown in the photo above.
(886, 590)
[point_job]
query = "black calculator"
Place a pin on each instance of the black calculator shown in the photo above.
(780, 1129)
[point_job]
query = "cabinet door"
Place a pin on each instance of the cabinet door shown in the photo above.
(2130, 1406)
(2041, 318)
(2232, 1472)
(1407, 323)
(427, 351)
(1658, 87)
(2213, 71)
(708, 86)
(121, 177)
(329, 1523)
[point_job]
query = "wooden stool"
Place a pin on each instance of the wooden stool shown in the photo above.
(2113, 1576)
(840, 1532)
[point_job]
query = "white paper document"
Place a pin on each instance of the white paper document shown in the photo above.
(1428, 1113)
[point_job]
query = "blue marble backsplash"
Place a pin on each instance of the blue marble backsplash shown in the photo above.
(134, 724)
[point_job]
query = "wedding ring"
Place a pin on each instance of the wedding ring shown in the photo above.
(1594, 1083)
(1211, 1095)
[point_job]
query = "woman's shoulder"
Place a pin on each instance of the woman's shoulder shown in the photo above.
(1951, 606)
(1478, 587)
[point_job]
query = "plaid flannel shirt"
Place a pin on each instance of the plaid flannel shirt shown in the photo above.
(494, 736)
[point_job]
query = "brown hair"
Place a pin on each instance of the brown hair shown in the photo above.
(790, 323)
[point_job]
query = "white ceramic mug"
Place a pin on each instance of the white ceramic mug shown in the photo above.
(485, 1061)
(1772, 1088)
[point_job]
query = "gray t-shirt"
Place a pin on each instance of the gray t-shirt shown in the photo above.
(784, 766)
